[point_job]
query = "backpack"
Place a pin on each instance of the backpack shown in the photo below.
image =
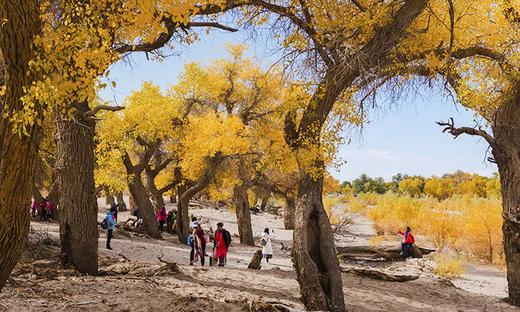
(190, 240)
(263, 242)
(104, 224)
(227, 238)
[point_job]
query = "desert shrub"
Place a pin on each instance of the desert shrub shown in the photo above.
(393, 212)
(482, 222)
(448, 266)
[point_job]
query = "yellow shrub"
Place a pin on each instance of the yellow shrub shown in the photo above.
(446, 266)
(394, 212)
(376, 240)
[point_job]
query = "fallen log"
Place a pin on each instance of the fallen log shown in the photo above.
(391, 253)
(384, 275)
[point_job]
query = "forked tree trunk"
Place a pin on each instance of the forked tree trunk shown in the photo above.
(20, 23)
(77, 196)
(138, 192)
(506, 153)
(155, 194)
(187, 193)
(314, 254)
(142, 200)
(290, 208)
(243, 211)
(121, 202)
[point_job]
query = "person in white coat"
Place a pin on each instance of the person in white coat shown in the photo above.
(267, 247)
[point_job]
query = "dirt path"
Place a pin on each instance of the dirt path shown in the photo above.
(234, 288)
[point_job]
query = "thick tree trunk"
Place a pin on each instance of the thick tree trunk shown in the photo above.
(77, 197)
(243, 211)
(290, 208)
(155, 194)
(54, 190)
(506, 152)
(183, 216)
(314, 254)
(20, 23)
(121, 202)
(142, 200)
(131, 202)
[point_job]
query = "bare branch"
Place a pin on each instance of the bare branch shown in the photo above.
(450, 128)
(211, 24)
(98, 108)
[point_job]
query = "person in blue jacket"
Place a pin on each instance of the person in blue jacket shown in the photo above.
(111, 224)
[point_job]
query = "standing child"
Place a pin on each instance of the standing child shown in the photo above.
(161, 218)
(111, 224)
(267, 247)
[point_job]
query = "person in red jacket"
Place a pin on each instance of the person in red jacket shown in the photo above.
(407, 244)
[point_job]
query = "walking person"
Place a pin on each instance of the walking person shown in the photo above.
(161, 218)
(111, 224)
(267, 247)
(199, 244)
(222, 242)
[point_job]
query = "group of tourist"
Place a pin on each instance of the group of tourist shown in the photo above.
(44, 210)
(197, 240)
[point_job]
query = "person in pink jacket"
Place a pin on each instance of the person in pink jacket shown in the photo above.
(161, 218)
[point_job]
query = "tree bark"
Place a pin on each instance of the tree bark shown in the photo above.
(20, 23)
(290, 208)
(77, 196)
(138, 191)
(506, 152)
(263, 203)
(243, 211)
(155, 194)
(121, 202)
(131, 202)
(314, 253)
(187, 193)
(183, 217)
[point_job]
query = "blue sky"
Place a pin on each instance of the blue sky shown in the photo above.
(401, 138)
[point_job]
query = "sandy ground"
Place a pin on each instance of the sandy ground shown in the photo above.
(136, 281)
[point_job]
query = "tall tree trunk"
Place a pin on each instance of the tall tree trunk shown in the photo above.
(290, 208)
(314, 254)
(121, 202)
(183, 216)
(263, 204)
(20, 23)
(143, 202)
(77, 196)
(243, 211)
(138, 192)
(506, 152)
